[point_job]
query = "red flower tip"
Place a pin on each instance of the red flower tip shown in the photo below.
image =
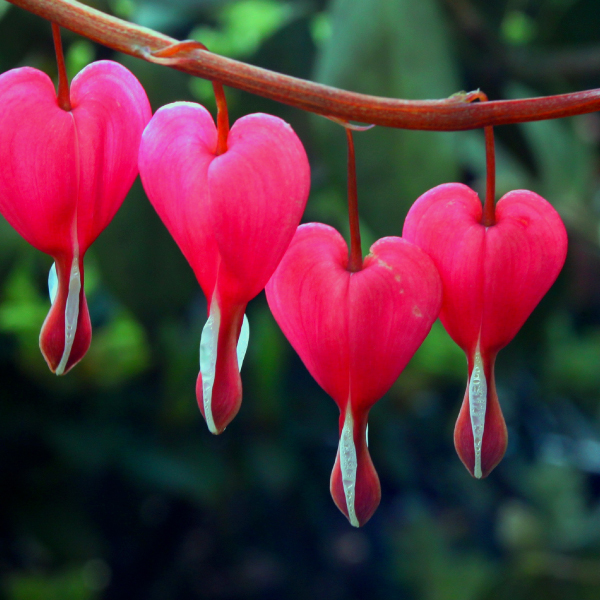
(480, 412)
(67, 331)
(354, 482)
(219, 386)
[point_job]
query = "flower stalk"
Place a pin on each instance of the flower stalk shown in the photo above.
(489, 207)
(168, 56)
(356, 261)
(64, 100)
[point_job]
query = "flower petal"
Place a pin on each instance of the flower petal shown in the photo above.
(258, 191)
(177, 148)
(308, 296)
(110, 111)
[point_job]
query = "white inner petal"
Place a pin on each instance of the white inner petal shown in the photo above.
(242, 344)
(52, 283)
(348, 465)
(477, 406)
(208, 358)
(208, 362)
(71, 313)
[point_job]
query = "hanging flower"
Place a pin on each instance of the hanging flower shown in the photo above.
(493, 278)
(355, 332)
(63, 176)
(233, 215)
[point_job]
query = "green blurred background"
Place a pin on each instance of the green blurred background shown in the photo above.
(111, 486)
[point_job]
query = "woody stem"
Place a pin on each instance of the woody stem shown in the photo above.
(450, 114)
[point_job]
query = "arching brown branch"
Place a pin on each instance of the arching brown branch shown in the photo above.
(451, 114)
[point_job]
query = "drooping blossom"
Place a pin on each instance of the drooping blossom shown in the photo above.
(63, 176)
(355, 332)
(493, 278)
(233, 216)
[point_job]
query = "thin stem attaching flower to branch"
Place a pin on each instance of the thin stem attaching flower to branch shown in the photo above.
(489, 207)
(168, 56)
(356, 260)
(355, 257)
(64, 97)
(451, 114)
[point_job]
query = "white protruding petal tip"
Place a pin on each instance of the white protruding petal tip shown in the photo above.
(477, 408)
(349, 465)
(242, 344)
(208, 362)
(71, 313)
(52, 283)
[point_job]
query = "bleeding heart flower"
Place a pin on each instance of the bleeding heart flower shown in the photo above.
(493, 278)
(233, 216)
(355, 332)
(63, 176)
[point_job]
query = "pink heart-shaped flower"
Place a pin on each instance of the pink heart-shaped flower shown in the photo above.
(355, 332)
(493, 278)
(233, 216)
(64, 175)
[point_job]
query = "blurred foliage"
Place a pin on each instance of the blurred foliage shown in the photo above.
(374, 48)
(244, 26)
(110, 485)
